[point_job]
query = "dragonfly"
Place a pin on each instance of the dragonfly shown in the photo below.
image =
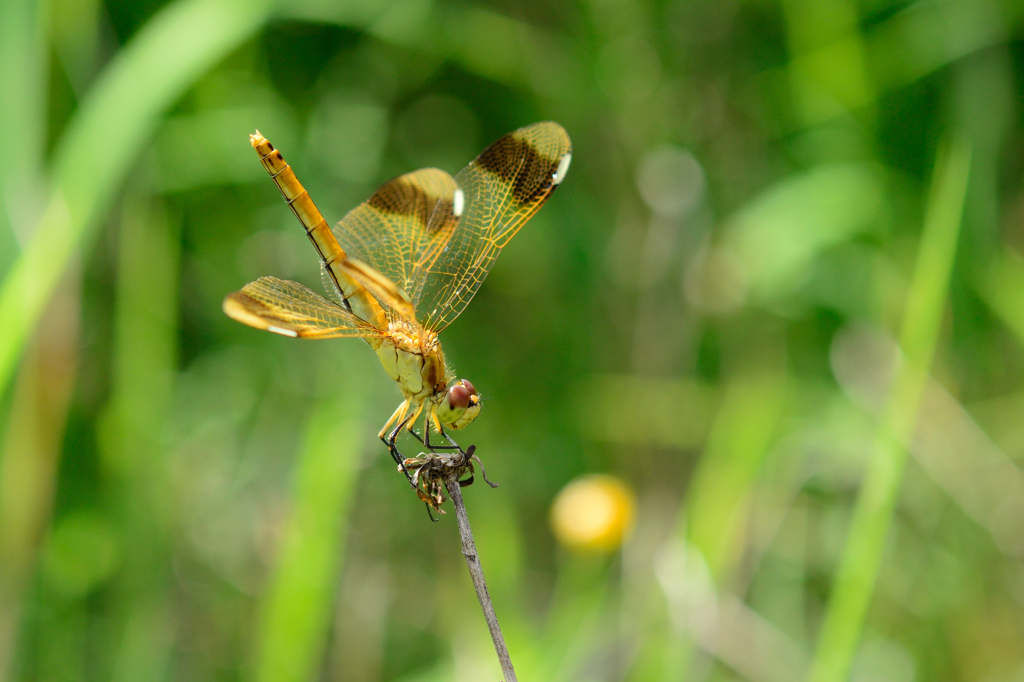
(405, 263)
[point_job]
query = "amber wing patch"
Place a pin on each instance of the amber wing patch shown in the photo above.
(290, 309)
(502, 189)
(402, 228)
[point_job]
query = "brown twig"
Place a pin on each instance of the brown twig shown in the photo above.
(451, 482)
(431, 470)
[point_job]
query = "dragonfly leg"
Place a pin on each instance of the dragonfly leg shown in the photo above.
(411, 422)
(426, 436)
(392, 450)
(452, 444)
(396, 416)
(395, 452)
(400, 417)
(430, 446)
(418, 437)
(414, 417)
(406, 423)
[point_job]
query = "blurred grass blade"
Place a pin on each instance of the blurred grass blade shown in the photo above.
(297, 608)
(131, 428)
(926, 36)
(780, 233)
(739, 440)
(828, 71)
(103, 140)
(146, 324)
(711, 523)
(858, 569)
(30, 452)
(23, 115)
(23, 78)
(38, 408)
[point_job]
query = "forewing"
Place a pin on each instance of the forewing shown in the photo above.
(399, 233)
(290, 309)
(501, 189)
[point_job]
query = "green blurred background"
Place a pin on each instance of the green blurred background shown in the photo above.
(779, 295)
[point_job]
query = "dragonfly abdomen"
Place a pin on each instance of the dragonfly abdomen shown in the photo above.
(354, 295)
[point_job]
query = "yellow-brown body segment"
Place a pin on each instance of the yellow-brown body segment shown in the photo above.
(333, 257)
(414, 359)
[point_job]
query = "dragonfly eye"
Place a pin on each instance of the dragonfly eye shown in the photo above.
(460, 406)
(454, 404)
(458, 397)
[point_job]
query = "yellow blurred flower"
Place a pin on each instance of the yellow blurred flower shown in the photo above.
(593, 513)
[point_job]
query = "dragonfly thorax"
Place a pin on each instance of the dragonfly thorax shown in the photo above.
(412, 356)
(413, 336)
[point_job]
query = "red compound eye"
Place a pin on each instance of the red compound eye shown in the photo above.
(471, 387)
(458, 397)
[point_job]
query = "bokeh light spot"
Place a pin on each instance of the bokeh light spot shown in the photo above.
(593, 513)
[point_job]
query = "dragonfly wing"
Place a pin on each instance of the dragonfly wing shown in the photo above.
(501, 189)
(386, 291)
(397, 234)
(290, 309)
(357, 274)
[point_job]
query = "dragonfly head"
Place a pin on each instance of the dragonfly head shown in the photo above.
(460, 406)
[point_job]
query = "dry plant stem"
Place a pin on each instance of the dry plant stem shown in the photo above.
(451, 482)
